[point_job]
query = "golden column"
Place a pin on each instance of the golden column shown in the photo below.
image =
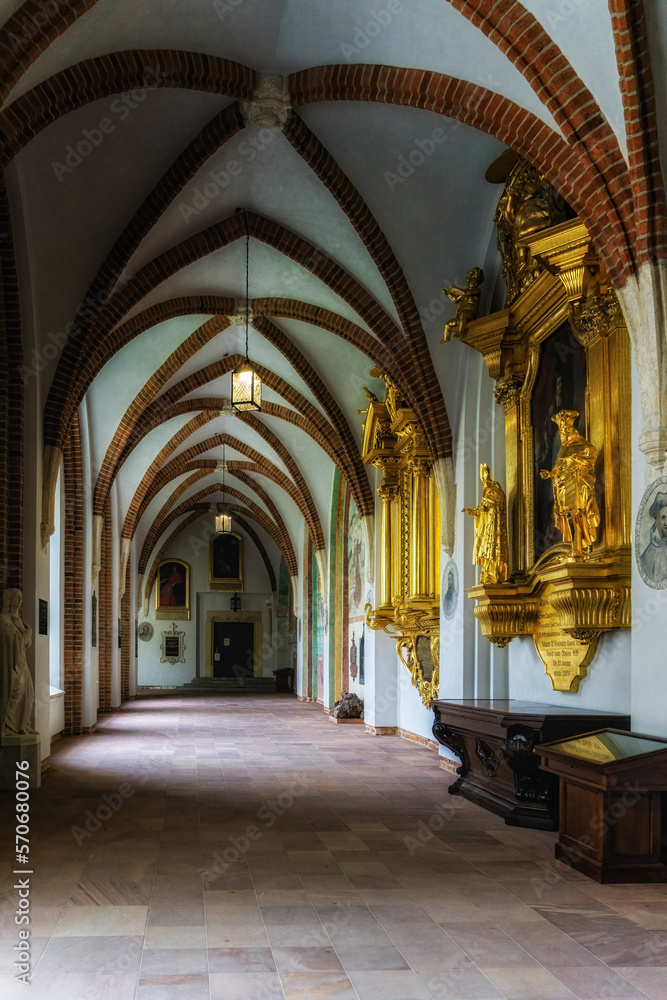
(388, 492)
(420, 473)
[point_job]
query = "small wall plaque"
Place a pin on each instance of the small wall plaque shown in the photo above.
(173, 646)
(43, 617)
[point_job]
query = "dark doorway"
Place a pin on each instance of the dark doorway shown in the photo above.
(233, 649)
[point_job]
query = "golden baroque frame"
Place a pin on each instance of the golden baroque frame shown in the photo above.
(409, 607)
(591, 596)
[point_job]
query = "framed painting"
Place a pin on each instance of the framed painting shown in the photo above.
(560, 384)
(226, 561)
(172, 590)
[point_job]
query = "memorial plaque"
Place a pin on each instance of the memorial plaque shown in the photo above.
(172, 646)
(565, 658)
(43, 617)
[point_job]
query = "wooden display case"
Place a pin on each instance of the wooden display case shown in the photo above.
(611, 793)
(495, 740)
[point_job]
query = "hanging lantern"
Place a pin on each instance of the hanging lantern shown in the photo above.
(223, 524)
(235, 603)
(246, 388)
(246, 383)
(223, 521)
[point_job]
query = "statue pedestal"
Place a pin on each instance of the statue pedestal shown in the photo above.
(19, 748)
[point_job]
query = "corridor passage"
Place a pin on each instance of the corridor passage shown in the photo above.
(245, 848)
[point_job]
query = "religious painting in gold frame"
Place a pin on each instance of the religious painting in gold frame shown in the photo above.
(172, 590)
(226, 561)
(566, 322)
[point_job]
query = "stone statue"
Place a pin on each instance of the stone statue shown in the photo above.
(467, 303)
(491, 548)
(18, 692)
(576, 511)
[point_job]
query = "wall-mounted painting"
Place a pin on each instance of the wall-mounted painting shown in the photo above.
(651, 536)
(172, 590)
(560, 385)
(226, 561)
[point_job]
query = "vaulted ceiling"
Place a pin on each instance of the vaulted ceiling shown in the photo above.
(137, 131)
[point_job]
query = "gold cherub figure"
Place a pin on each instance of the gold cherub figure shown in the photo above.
(467, 302)
(491, 549)
(576, 511)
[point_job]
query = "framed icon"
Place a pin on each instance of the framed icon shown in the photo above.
(226, 562)
(172, 590)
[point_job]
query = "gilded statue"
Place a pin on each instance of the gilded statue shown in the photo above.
(18, 692)
(467, 303)
(528, 204)
(576, 511)
(491, 548)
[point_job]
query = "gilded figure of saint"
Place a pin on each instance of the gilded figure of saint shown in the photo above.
(491, 548)
(576, 511)
(467, 303)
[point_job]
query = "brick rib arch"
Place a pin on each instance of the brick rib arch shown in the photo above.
(321, 433)
(209, 467)
(117, 73)
(152, 537)
(30, 31)
(610, 225)
(185, 523)
(58, 415)
(75, 387)
(641, 125)
(529, 47)
(252, 510)
(215, 134)
(135, 507)
(302, 498)
(117, 451)
(252, 420)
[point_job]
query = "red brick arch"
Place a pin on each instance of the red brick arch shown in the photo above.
(250, 508)
(208, 467)
(186, 522)
(321, 432)
(610, 224)
(117, 451)
(136, 424)
(118, 73)
(30, 31)
(153, 483)
(58, 413)
(631, 35)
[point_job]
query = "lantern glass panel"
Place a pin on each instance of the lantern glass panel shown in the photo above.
(246, 389)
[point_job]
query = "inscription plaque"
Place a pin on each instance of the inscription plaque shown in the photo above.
(565, 658)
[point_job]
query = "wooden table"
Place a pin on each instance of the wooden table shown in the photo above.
(495, 741)
(611, 791)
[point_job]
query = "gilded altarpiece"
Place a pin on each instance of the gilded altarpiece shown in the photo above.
(560, 344)
(410, 537)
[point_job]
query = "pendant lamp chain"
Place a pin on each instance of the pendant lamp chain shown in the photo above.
(247, 280)
(246, 383)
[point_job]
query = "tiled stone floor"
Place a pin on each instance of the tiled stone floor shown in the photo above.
(265, 853)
